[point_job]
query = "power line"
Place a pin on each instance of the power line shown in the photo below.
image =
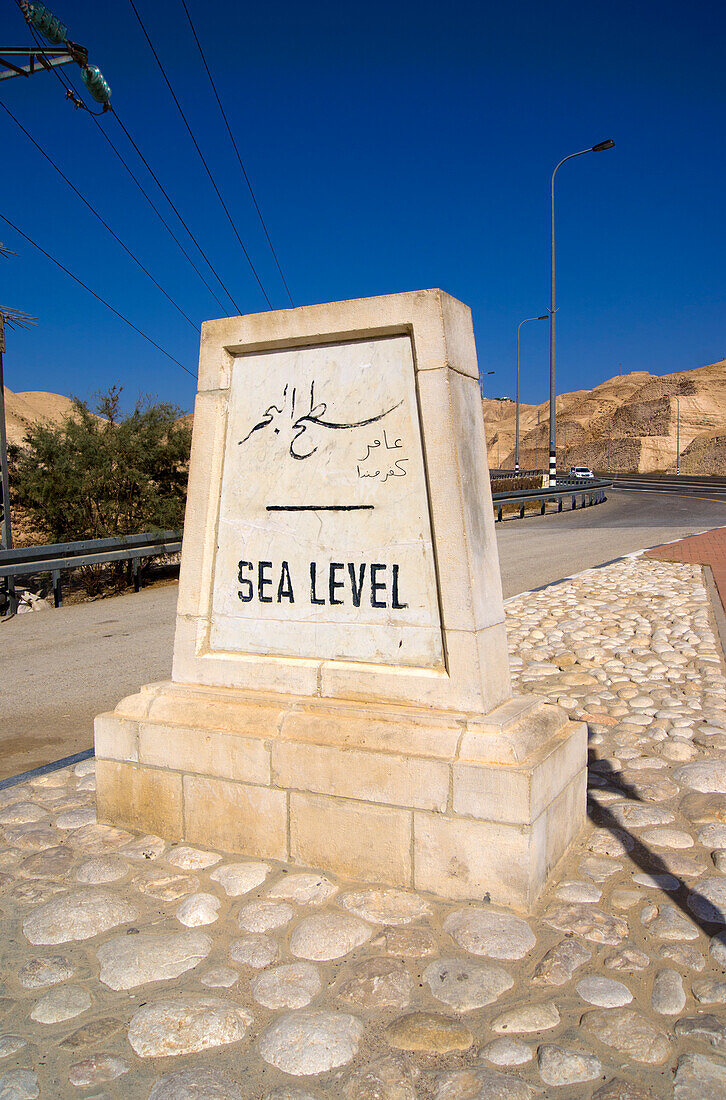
(71, 94)
(234, 144)
(151, 172)
(96, 296)
(97, 215)
(156, 210)
(201, 155)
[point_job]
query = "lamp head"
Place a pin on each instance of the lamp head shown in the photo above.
(544, 317)
(602, 145)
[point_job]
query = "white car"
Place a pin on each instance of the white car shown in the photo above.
(581, 471)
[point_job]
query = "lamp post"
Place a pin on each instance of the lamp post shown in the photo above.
(482, 375)
(599, 148)
(516, 429)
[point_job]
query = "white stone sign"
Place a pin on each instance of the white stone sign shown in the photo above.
(324, 536)
(340, 694)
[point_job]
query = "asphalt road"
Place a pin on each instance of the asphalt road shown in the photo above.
(58, 669)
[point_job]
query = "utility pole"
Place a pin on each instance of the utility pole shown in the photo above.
(610, 424)
(7, 533)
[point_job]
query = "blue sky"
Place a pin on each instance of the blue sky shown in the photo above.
(392, 147)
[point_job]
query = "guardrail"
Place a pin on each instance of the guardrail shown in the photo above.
(589, 491)
(54, 558)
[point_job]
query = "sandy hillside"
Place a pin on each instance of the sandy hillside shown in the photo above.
(628, 422)
(23, 409)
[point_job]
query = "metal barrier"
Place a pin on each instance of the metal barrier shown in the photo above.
(588, 490)
(72, 555)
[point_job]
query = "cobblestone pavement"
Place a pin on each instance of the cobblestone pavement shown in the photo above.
(138, 969)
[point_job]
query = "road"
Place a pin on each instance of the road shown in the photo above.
(61, 668)
(541, 549)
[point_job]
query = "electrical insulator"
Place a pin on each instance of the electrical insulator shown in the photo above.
(43, 20)
(97, 86)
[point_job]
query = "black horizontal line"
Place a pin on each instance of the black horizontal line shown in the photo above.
(319, 507)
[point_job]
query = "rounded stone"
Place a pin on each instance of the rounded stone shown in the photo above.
(558, 1066)
(584, 892)
(328, 936)
(186, 1025)
(239, 878)
(96, 1070)
(706, 776)
(482, 1084)
(507, 1052)
(19, 1084)
(187, 858)
(482, 932)
(713, 836)
(101, 869)
(78, 915)
(130, 961)
(587, 921)
(51, 863)
(290, 986)
(307, 1043)
(466, 985)
(304, 888)
(708, 902)
(603, 992)
(196, 1083)
(394, 907)
(630, 1034)
(699, 1078)
(387, 1078)
(254, 951)
(717, 949)
(219, 977)
(148, 847)
(198, 910)
(665, 882)
(376, 983)
(710, 991)
(22, 813)
(264, 915)
(76, 819)
(49, 970)
(668, 997)
(430, 1032)
(527, 1018)
(663, 837)
(61, 1004)
(11, 1044)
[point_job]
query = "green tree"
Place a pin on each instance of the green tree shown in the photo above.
(100, 474)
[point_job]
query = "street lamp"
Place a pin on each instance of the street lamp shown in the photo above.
(516, 430)
(482, 375)
(599, 148)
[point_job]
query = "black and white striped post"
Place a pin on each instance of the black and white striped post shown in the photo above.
(601, 145)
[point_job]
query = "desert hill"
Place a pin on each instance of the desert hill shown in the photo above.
(628, 422)
(24, 409)
(636, 412)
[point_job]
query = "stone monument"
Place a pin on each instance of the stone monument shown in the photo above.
(340, 695)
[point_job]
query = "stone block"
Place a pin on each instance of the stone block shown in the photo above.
(353, 839)
(205, 752)
(464, 859)
(116, 738)
(144, 799)
(235, 817)
(370, 776)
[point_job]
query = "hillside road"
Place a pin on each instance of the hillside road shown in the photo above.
(58, 669)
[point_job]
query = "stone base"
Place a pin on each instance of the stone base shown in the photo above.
(459, 805)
